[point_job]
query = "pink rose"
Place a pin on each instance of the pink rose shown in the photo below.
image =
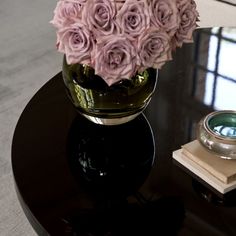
(189, 16)
(164, 15)
(154, 49)
(119, 4)
(115, 58)
(99, 16)
(67, 12)
(77, 43)
(133, 17)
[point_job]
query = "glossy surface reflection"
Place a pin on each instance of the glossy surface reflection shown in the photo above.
(114, 159)
(214, 67)
(65, 190)
(128, 218)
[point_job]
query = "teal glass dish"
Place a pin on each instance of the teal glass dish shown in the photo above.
(217, 133)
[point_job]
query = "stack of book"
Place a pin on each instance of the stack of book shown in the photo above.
(215, 171)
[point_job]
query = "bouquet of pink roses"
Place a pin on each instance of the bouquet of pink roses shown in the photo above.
(119, 38)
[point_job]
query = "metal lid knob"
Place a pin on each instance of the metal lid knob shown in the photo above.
(217, 133)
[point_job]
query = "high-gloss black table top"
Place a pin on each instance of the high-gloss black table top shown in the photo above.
(77, 178)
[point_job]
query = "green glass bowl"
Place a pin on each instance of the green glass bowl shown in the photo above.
(217, 133)
(103, 104)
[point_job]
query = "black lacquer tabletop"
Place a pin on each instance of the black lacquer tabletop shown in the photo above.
(76, 178)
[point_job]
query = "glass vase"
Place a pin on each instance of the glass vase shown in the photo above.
(108, 105)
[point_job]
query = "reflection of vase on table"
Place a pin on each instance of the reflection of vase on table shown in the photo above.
(116, 159)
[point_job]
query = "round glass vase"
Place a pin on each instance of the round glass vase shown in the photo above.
(108, 105)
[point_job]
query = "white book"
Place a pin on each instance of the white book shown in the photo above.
(202, 173)
(222, 169)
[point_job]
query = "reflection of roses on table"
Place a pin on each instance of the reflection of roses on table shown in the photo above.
(119, 38)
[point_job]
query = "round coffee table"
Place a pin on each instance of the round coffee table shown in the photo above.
(76, 178)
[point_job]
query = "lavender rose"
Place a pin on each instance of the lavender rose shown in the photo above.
(115, 58)
(189, 16)
(67, 12)
(120, 37)
(77, 43)
(99, 16)
(164, 15)
(119, 4)
(154, 49)
(133, 17)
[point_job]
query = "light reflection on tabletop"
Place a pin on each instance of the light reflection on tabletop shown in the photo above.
(219, 68)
